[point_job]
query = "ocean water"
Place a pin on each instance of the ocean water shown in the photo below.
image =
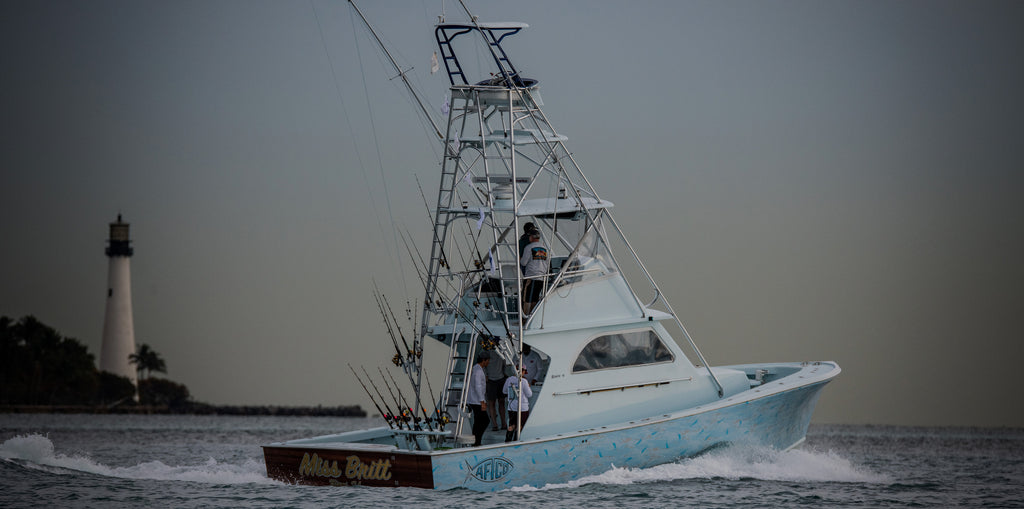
(214, 461)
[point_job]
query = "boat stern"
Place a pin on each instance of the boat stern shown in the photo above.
(366, 457)
(341, 466)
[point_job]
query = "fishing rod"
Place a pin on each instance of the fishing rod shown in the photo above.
(442, 418)
(399, 402)
(412, 410)
(473, 243)
(412, 323)
(426, 417)
(398, 359)
(410, 353)
(419, 273)
(424, 196)
(411, 359)
(387, 416)
(421, 268)
(377, 390)
(409, 315)
(419, 403)
(461, 313)
(401, 415)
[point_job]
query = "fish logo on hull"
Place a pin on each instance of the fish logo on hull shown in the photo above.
(491, 469)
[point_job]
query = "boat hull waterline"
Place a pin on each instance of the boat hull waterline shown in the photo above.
(774, 415)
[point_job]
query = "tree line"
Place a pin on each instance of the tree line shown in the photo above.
(42, 369)
(39, 366)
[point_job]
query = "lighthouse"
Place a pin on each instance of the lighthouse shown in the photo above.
(118, 328)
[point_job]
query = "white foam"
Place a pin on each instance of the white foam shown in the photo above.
(37, 451)
(739, 463)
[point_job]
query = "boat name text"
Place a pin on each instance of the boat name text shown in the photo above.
(376, 470)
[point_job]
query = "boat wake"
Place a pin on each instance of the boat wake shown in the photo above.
(37, 452)
(739, 463)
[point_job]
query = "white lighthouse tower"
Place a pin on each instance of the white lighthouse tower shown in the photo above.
(118, 327)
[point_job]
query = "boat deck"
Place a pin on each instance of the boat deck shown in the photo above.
(490, 436)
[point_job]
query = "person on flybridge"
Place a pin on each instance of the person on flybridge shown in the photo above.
(524, 239)
(534, 260)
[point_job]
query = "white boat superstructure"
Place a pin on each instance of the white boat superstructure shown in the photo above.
(609, 354)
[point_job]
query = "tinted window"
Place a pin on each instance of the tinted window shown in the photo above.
(623, 349)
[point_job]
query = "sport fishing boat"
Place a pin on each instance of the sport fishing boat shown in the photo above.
(612, 388)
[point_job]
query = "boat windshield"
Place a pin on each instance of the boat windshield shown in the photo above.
(588, 255)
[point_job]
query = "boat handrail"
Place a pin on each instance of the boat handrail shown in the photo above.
(623, 387)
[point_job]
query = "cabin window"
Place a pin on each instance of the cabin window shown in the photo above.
(623, 349)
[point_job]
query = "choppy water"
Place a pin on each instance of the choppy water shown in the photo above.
(211, 461)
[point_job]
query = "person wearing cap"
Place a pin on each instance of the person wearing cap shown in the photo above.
(517, 388)
(476, 399)
(534, 260)
(524, 239)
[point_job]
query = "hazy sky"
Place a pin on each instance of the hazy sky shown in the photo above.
(808, 180)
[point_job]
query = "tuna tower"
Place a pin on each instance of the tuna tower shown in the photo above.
(118, 327)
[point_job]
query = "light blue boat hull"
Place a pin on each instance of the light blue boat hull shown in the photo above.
(779, 421)
(774, 415)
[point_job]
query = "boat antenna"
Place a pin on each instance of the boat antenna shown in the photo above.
(387, 415)
(401, 73)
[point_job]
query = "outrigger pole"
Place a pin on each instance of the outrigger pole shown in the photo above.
(418, 339)
(401, 73)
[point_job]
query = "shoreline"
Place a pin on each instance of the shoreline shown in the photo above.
(192, 408)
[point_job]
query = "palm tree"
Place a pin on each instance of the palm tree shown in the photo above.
(146, 359)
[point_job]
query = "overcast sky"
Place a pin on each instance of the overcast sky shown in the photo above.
(808, 180)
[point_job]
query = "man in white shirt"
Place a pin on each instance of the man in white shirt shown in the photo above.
(534, 260)
(476, 399)
(517, 388)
